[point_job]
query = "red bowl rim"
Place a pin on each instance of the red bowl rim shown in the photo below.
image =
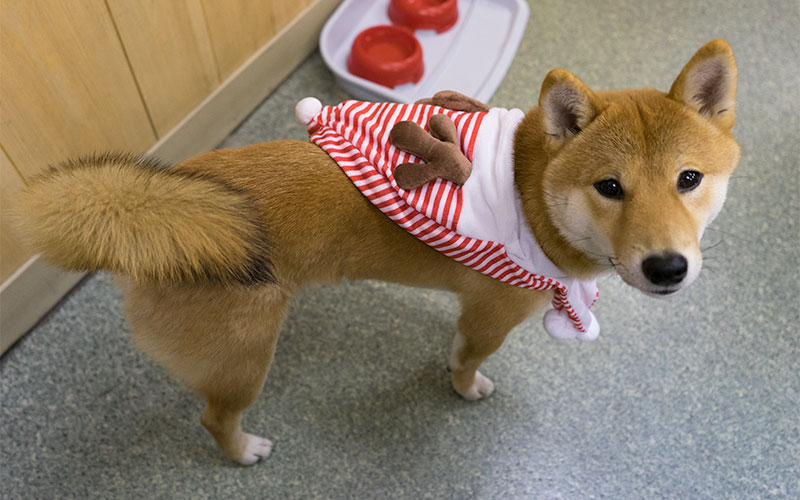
(387, 73)
(410, 13)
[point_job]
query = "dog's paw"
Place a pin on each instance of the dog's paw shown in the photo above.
(256, 449)
(482, 387)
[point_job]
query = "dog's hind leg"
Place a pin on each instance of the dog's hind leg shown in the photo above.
(220, 342)
(486, 318)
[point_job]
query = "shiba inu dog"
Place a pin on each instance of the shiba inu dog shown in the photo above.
(210, 252)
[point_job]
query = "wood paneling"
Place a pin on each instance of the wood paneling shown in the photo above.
(286, 10)
(169, 50)
(235, 98)
(237, 29)
(66, 86)
(79, 76)
(12, 253)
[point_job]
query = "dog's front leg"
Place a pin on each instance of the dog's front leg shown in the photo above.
(486, 318)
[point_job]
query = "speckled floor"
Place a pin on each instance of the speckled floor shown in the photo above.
(697, 396)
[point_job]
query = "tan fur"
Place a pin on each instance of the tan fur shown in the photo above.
(202, 218)
(132, 216)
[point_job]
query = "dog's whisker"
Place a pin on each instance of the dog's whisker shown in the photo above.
(712, 246)
(729, 234)
(609, 276)
(602, 256)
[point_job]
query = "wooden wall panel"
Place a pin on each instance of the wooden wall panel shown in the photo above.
(237, 29)
(12, 253)
(66, 86)
(286, 10)
(169, 50)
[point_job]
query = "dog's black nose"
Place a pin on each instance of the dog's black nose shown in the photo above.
(667, 269)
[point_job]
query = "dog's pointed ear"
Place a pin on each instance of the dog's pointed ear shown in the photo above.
(707, 84)
(567, 105)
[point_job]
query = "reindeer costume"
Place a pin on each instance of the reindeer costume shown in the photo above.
(463, 200)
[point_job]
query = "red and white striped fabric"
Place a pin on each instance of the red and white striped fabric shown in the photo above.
(356, 135)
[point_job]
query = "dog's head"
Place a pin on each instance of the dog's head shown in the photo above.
(634, 177)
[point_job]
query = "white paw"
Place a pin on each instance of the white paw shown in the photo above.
(481, 388)
(257, 449)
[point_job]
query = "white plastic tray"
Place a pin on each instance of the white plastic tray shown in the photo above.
(472, 57)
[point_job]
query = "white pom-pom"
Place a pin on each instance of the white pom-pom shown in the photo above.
(559, 326)
(307, 109)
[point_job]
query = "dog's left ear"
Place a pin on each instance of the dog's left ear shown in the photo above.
(707, 84)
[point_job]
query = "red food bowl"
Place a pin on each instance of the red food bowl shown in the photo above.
(388, 55)
(439, 15)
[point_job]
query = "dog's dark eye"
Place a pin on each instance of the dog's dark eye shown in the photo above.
(610, 188)
(688, 180)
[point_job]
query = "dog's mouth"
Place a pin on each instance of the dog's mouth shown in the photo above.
(662, 292)
(653, 290)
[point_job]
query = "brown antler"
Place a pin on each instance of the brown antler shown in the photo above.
(451, 99)
(439, 149)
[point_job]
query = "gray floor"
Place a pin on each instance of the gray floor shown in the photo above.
(697, 396)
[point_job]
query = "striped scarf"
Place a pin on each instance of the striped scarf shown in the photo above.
(479, 224)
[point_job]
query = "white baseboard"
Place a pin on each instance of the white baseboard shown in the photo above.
(28, 294)
(36, 287)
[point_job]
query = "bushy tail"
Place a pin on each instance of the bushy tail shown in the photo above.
(132, 216)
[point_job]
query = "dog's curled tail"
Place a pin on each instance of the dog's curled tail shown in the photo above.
(132, 216)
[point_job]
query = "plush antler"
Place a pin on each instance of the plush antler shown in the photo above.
(439, 149)
(450, 99)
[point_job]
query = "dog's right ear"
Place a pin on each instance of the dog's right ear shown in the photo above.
(567, 106)
(708, 84)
